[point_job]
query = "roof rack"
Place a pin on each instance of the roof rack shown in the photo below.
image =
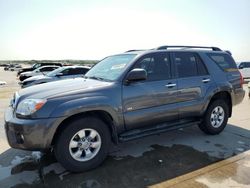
(205, 47)
(133, 50)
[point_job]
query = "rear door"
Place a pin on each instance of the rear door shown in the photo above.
(193, 82)
(153, 100)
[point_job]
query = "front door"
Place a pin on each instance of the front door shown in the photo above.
(153, 100)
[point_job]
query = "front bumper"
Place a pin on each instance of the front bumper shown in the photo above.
(29, 134)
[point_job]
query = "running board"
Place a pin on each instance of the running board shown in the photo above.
(138, 133)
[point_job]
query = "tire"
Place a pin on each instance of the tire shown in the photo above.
(66, 153)
(216, 117)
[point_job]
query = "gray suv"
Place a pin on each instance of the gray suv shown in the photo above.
(123, 97)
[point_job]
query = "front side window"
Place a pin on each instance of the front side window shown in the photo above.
(75, 71)
(81, 70)
(48, 69)
(156, 65)
(110, 68)
(65, 72)
(56, 71)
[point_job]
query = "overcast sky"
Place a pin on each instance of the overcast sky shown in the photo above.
(74, 29)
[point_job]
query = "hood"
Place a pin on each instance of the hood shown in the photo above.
(26, 69)
(62, 88)
(34, 78)
(26, 73)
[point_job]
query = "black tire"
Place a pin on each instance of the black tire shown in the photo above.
(62, 152)
(206, 125)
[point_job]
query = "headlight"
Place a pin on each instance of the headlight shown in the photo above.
(29, 106)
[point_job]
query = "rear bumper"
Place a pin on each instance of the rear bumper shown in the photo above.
(29, 134)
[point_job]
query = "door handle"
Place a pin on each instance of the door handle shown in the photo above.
(170, 85)
(205, 80)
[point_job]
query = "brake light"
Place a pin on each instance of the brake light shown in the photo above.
(241, 80)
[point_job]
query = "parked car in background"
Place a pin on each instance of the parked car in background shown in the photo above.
(37, 65)
(16, 67)
(3, 83)
(4, 64)
(39, 71)
(244, 68)
(6, 67)
(58, 74)
(11, 66)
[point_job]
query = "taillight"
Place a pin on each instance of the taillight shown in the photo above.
(241, 80)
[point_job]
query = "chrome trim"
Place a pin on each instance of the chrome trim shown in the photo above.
(170, 85)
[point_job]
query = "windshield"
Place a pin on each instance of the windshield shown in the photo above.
(55, 72)
(110, 68)
(35, 66)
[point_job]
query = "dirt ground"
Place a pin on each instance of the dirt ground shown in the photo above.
(139, 163)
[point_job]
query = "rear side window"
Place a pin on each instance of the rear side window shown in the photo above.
(224, 61)
(48, 69)
(189, 64)
(244, 65)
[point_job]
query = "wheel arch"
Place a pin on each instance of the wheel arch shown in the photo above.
(225, 95)
(103, 115)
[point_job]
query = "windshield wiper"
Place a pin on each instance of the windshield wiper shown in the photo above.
(97, 78)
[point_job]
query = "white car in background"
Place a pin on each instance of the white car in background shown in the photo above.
(39, 71)
(3, 83)
(244, 68)
(61, 73)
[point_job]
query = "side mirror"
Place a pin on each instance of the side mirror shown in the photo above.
(59, 74)
(136, 75)
(241, 67)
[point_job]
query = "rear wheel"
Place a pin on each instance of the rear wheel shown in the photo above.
(216, 117)
(83, 144)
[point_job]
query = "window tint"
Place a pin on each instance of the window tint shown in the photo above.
(76, 71)
(247, 65)
(224, 61)
(65, 72)
(43, 69)
(202, 69)
(156, 65)
(186, 64)
(81, 71)
(47, 69)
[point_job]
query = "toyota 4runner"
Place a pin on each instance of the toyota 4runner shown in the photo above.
(123, 97)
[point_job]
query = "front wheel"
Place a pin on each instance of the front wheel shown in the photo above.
(216, 117)
(83, 144)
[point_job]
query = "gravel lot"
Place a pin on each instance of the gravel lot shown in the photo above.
(139, 163)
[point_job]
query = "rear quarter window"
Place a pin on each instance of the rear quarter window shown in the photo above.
(224, 61)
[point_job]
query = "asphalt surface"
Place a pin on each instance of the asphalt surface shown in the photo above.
(140, 163)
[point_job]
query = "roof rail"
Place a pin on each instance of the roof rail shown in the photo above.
(133, 50)
(166, 47)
